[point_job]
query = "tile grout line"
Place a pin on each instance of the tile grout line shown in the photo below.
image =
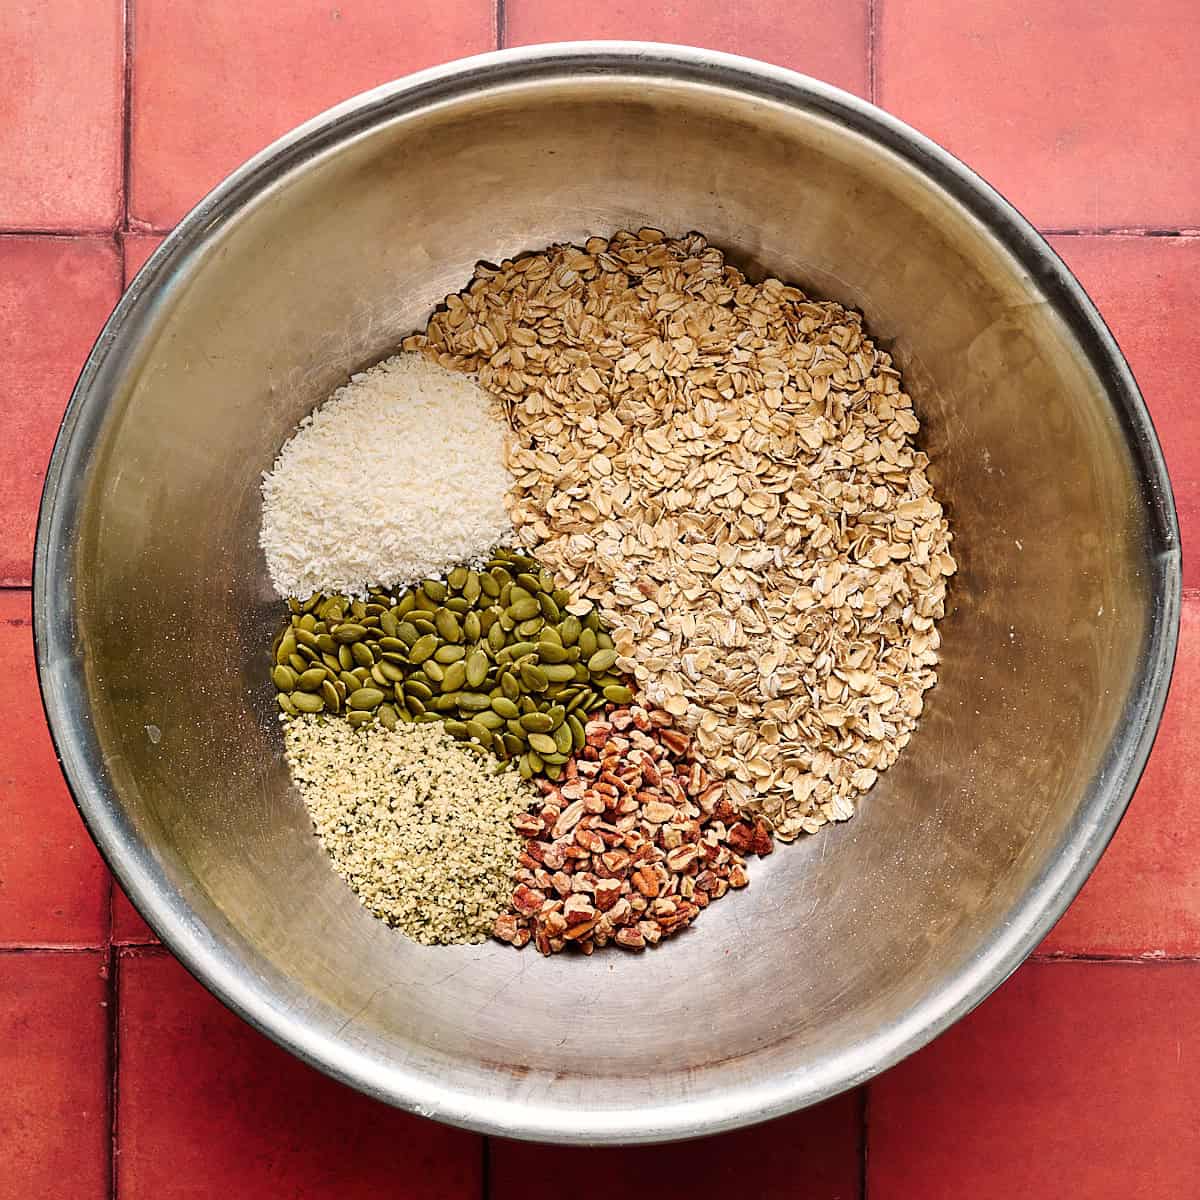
(126, 120)
(76, 948)
(113, 1065)
(864, 1127)
(501, 24)
(485, 1168)
(872, 68)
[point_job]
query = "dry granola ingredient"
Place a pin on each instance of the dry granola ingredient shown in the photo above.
(500, 655)
(399, 475)
(729, 471)
(631, 846)
(419, 825)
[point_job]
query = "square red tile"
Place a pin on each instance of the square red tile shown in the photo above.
(55, 294)
(54, 1064)
(816, 1154)
(60, 140)
(1082, 111)
(1144, 897)
(828, 41)
(209, 1107)
(213, 83)
(1148, 289)
(1074, 1080)
(128, 928)
(137, 248)
(53, 885)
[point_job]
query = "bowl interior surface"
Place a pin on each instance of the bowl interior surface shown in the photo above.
(848, 948)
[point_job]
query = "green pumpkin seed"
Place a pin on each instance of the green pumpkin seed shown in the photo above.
(569, 630)
(358, 719)
(472, 628)
(414, 687)
(473, 701)
(455, 677)
(422, 649)
(561, 673)
(362, 654)
(522, 610)
(434, 589)
(480, 733)
(414, 705)
(456, 729)
(307, 702)
(599, 662)
(457, 578)
(329, 694)
(477, 668)
(536, 722)
(587, 643)
(505, 707)
(448, 654)
(285, 703)
(284, 678)
(534, 678)
(434, 672)
(618, 694)
(509, 686)
(447, 625)
(349, 632)
(578, 736)
(287, 647)
(387, 716)
(490, 720)
(365, 698)
(543, 743)
(311, 680)
(563, 742)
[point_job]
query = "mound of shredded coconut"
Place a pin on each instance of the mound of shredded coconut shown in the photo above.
(398, 476)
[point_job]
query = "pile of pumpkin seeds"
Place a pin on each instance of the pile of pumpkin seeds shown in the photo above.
(507, 661)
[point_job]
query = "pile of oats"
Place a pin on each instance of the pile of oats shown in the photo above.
(728, 471)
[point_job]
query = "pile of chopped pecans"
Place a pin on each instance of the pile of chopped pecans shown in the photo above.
(728, 471)
(630, 845)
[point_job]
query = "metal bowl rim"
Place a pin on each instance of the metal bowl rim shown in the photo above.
(202, 953)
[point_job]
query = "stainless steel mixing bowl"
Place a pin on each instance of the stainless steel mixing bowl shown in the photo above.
(850, 949)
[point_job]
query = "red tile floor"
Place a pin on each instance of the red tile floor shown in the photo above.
(120, 1076)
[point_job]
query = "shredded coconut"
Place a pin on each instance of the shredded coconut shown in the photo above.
(398, 476)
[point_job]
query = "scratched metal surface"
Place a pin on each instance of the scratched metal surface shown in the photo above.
(849, 949)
